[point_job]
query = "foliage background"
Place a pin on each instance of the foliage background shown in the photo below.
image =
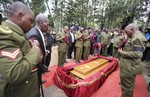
(89, 13)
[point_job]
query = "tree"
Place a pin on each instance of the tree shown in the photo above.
(94, 13)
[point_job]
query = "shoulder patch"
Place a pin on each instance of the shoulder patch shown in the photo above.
(5, 29)
(12, 55)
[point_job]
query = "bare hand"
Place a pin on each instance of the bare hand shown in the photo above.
(120, 50)
(47, 52)
(34, 42)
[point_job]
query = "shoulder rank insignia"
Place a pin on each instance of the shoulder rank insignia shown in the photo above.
(12, 55)
(5, 29)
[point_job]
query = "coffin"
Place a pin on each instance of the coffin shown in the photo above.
(82, 80)
(88, 69)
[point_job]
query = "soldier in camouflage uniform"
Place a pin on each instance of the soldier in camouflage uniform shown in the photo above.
(79, 44)
(18, 60)
(87, 45)
(130, 61)
(117, 42)
(62, 39)
(105, 41)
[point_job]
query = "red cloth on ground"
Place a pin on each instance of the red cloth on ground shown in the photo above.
(113, 88)
(79, 87)
(49, 76)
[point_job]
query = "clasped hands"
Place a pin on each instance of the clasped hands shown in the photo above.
(35, 43)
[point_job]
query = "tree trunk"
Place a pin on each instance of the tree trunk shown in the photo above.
(148, 20)
(48, 7)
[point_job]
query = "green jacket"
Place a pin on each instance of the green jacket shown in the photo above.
(87, 42)
(62, 46)
(17, 59)
(105, 38)
(118, 40)
(133, 51)
(79, 40)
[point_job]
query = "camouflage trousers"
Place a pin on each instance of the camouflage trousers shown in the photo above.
(78, 54)
(127, 83)
(61, 58)
(86, 52)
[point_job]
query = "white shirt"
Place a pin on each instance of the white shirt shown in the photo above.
(42, 37)
(72, 37)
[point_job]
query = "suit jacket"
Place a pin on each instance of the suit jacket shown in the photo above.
(49, 41)
(70, 38)
(35, 33)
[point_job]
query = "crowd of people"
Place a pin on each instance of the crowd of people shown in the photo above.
(25, 51)
(83, 42)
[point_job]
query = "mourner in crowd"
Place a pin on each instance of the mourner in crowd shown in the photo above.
(62, 39)
(18, 57)
(130, 61)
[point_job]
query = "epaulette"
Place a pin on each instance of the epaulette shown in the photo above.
(5, 29)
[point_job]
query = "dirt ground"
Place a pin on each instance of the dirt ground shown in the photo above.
(54, 91)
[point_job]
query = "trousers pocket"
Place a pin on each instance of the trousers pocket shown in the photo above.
(126, 64)
(137, 69)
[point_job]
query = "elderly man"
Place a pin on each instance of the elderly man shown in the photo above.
(71, 39)
(130, 61)
(18, 72)
(42, 25)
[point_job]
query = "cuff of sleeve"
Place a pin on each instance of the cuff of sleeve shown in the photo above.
(37, 47)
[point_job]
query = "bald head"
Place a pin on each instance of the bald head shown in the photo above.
(66, 29)
(41, 18)
(17, 7)
(131, 29)
(21, 15)
(132, 26)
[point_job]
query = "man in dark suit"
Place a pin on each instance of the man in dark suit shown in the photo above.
(42, 25)
(49, 41)
(71, 39)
